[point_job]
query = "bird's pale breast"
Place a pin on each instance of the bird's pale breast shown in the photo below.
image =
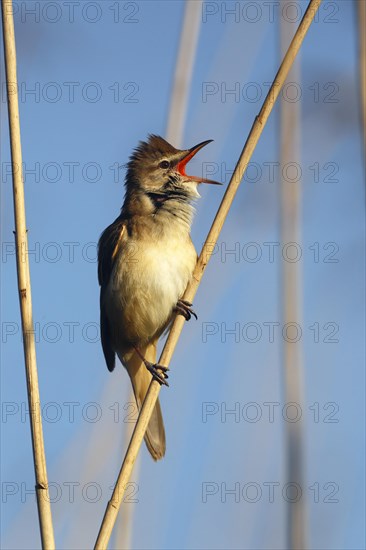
(148, 278)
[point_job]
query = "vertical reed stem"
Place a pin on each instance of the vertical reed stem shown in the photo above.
(24, 286)
(291, 299)
(361, 13)
(183, 71)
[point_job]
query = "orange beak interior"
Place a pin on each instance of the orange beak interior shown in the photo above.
(181, 165)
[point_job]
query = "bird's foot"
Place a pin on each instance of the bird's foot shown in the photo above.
(154, 370)
(185, 308)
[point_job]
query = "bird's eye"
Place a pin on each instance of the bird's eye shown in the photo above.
(164, 164)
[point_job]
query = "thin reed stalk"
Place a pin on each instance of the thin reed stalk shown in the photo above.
(124, 531)
(43, 501)
(290, 120)
(174, 134)
(167, 353)
(183, 71)
(361, 13)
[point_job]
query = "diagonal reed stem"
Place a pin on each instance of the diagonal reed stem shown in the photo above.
(213, 235)
(25, 298)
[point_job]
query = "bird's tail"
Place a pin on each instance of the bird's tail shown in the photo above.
(141, 378)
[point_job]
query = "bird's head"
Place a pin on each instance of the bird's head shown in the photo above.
(159, 170)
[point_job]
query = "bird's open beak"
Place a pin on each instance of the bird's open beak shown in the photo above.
(188, 155)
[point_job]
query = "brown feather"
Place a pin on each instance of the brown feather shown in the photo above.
(141, 378)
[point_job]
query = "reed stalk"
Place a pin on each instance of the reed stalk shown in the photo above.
(183, 71)
(174, 134)
(361, 14)
(291, 196)
(24, 286)
(213, 235)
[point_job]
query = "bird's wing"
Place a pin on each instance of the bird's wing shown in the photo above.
(108, 245)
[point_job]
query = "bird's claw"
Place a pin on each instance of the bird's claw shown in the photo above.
(184, 308)
(154, 370)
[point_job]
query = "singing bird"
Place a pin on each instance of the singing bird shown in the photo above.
(145, 260)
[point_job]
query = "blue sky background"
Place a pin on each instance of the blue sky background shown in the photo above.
(134, 44)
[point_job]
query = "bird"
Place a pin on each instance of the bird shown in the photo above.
(146, 259)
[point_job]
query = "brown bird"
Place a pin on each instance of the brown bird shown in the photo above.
(145, 260)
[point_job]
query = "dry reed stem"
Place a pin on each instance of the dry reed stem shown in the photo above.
(43, 501)
(291, 302)
(124, 531)
(167, 353)
(183, 71)
(362, 64)
(174, 134)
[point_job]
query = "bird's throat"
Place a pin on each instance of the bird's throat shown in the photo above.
(158, 199)
(161, 209)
